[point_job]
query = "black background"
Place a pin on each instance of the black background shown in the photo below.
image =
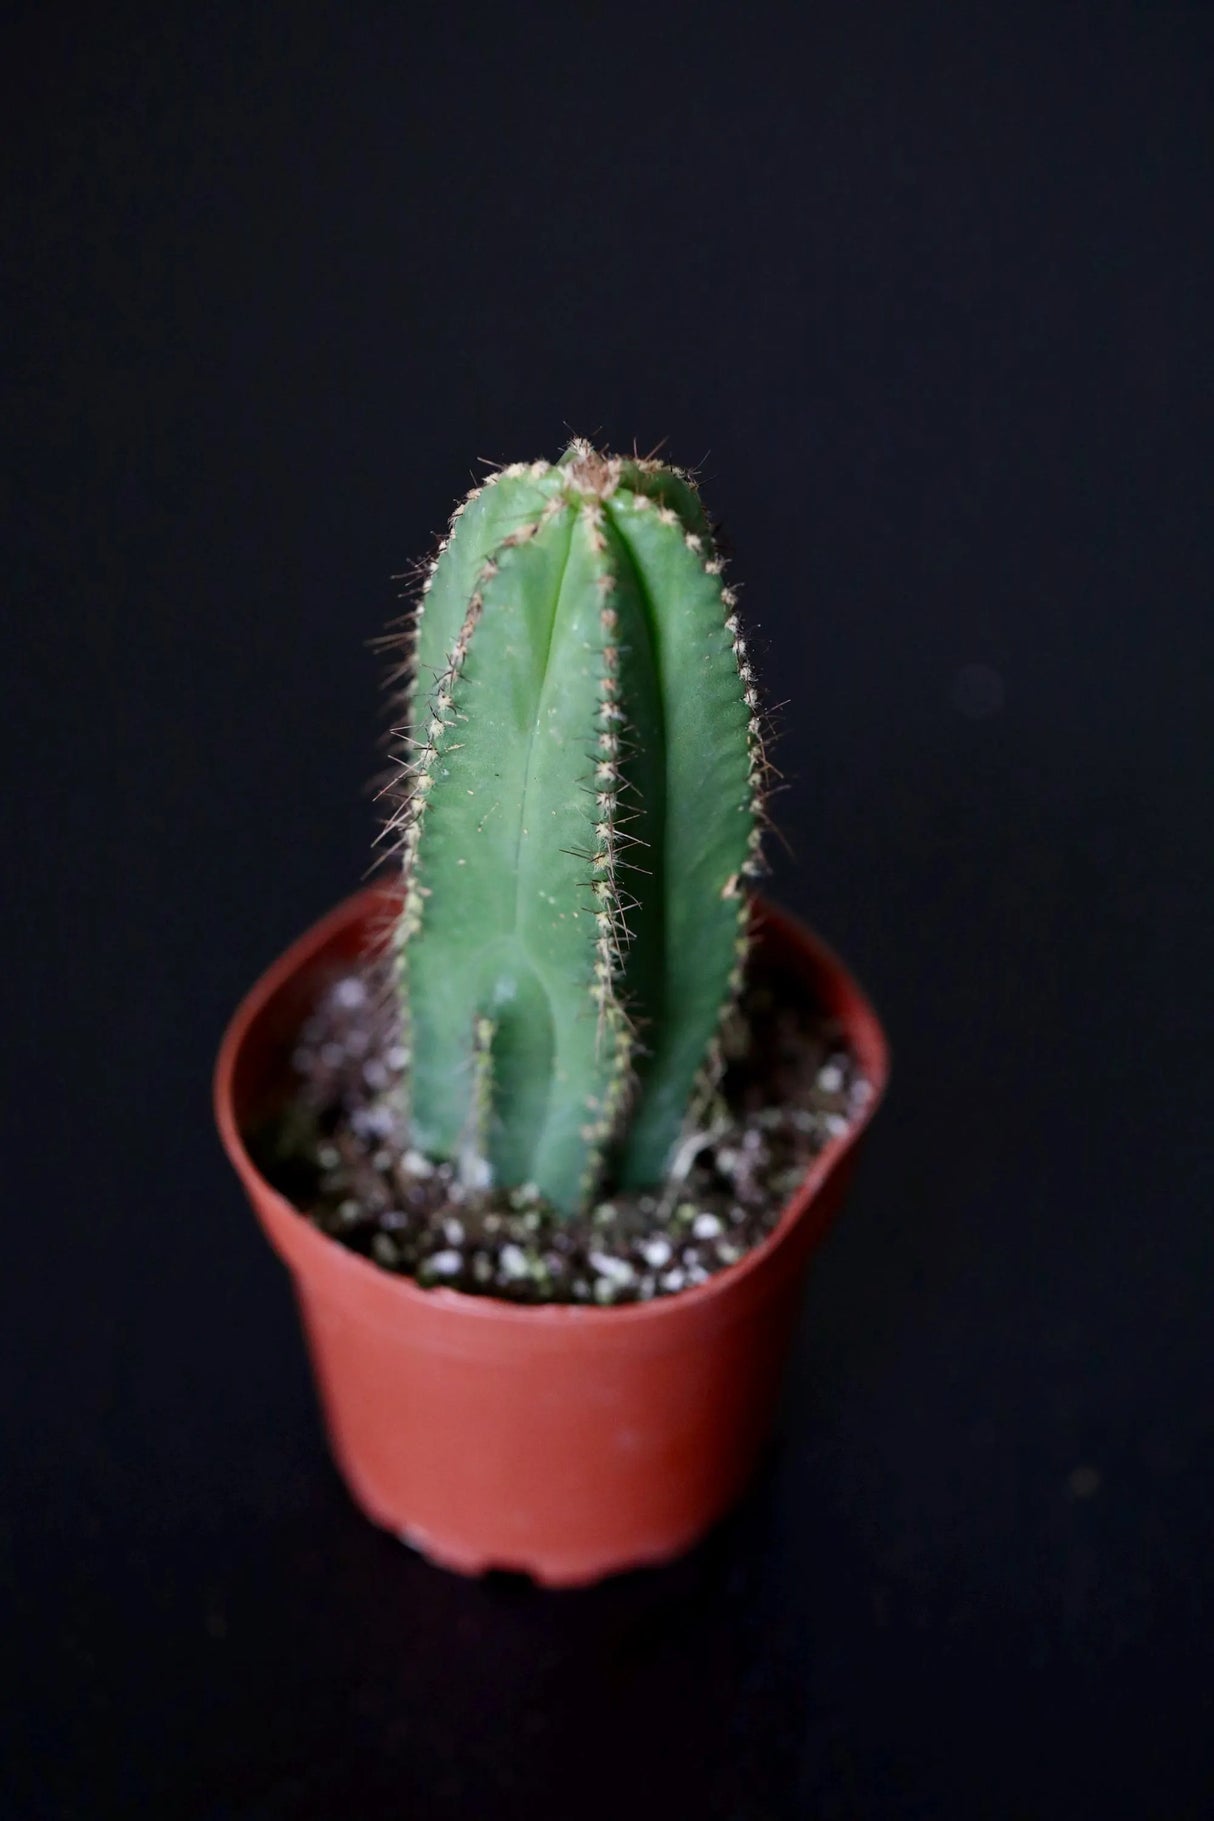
(926, 293)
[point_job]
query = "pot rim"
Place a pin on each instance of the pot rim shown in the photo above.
(855, 1013)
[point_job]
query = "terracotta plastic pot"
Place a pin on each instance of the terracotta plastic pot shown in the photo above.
(565, 1442)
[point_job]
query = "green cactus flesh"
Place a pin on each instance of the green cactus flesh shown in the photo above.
(577, 813)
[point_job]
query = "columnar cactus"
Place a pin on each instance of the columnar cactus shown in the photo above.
(578, 811)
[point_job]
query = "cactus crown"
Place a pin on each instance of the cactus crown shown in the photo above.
(577, 809)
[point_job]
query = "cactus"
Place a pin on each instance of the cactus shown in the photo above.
(577, 810)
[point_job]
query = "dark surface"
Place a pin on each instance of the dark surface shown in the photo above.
(928, 293)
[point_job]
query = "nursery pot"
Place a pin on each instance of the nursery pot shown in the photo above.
(567, 1442)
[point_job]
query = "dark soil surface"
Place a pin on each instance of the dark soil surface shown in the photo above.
(338, 1151)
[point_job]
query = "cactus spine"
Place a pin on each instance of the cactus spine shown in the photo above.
(578, 807)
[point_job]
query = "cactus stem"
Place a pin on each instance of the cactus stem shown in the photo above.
(619, 569)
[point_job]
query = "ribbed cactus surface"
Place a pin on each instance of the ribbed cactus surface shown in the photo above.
(577, 814)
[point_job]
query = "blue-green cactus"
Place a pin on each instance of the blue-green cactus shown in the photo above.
(577, 815)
